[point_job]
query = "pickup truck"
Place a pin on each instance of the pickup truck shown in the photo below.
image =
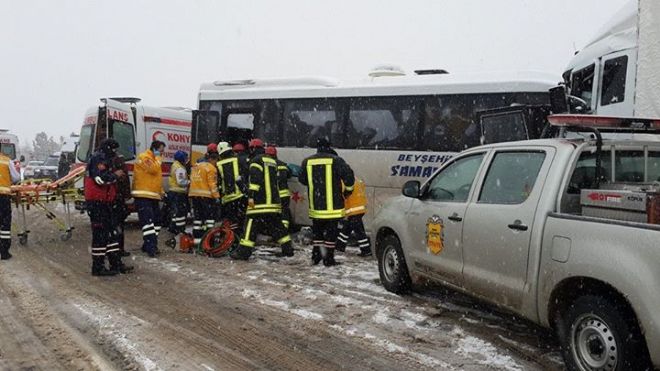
(541, 228)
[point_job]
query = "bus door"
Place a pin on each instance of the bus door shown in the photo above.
(510, 124)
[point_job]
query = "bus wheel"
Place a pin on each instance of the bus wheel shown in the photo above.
(392, 266)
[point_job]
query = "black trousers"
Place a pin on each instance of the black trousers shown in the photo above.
(269, 224)
(204, 211)
(5, 224)
(325, 232)
(103, 236)
(178, 209)
(234, 212)
(149, 215)
(286, 211)
(353, 225)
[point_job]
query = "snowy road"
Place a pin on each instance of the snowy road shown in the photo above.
(190, 312)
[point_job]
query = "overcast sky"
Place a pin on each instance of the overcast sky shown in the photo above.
(58, 57)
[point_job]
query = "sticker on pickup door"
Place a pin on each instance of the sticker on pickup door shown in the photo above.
(435, 234)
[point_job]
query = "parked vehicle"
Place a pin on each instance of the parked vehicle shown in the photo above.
(48, 168)
(30, 167)
(561, 231)
(8, 144)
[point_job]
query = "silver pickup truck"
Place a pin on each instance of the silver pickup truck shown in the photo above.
(562, 232)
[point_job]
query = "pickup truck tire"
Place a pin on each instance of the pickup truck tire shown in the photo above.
(597, 333)
(392, 266)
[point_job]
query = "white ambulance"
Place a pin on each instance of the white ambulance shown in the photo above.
(8, 144)
(135, 126)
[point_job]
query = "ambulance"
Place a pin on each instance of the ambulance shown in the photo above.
(8, 144)
(134, 126)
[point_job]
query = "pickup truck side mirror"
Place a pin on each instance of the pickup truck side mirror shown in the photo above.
(411, 189)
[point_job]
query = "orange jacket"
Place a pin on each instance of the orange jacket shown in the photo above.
(356, 203)
(204, 181)
(147, 176)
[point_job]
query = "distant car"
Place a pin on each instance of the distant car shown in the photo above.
(48, 169)
(28, 171)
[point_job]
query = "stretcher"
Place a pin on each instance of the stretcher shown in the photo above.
(42, 195)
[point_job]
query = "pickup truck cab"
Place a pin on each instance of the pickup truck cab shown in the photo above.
(528, 226)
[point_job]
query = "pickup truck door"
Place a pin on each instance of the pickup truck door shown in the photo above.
(436, 219)
(498, 224)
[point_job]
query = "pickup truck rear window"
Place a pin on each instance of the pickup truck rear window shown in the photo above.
(511, 177)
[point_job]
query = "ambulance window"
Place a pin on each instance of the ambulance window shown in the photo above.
(8, 150)
(582, 84)
(85, 145)
(123, 134)
(614, 81)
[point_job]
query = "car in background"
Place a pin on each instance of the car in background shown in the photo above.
(28, 171)
(48, 169)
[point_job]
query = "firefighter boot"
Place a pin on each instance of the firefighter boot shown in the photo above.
(365, 248)
(4, 253)
(316, 255)
(287, 250)
(241, 253)
(116, 265)
(99, 269)
(329, 258)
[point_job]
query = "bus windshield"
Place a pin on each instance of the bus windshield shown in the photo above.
(86, 145)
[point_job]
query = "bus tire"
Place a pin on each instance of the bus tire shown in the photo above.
(597, 333)
(392, 266)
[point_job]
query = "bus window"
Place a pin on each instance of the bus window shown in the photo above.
(447, 121)
(85, 146)
(205, 127)
(267, 127)
(306, 120)
(123, 133)
(614, 81)
(383, 122)
(504, 127)
(582, 84)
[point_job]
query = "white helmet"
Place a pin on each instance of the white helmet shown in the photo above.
(223, 147)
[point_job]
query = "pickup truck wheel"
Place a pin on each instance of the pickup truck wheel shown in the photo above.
(601, 334)
(392, 266)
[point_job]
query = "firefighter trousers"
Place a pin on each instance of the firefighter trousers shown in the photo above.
(234, 212)
(267, 224)
(286, 211)
(178, 211)
(204, 210)
(148, 213)
(353, 225)
(103, 236)
(5, 225)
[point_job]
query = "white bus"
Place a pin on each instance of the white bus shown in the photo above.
(390, 129)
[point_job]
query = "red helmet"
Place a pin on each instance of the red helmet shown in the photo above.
(256, 143)
(238, 147)
(271, 151)
(212, 148)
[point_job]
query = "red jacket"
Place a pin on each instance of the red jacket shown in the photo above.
(100, 181)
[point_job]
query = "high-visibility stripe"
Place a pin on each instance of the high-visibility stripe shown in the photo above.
(4, 162)
(286, 223)
(326, 214)
(4, 237)
(113, 244)
(269, 193)
(231, 197)
(200, 193)
(148, 226)
(149, 232)
(249, 228)
(285, 193)
(319, 161)
(247, 243)
(147, 194)
(284, 239)
(261, 168)
(310, 184)
(5, 190)
(348, 188)
(254, 187)
(264, 211)
(328, 188)
(356, 210)
(177, 189)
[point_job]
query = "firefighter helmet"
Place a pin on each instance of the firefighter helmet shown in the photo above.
(256, 143)
(271, 151)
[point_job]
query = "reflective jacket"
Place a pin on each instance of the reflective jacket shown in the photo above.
(178, 180)
(232, 172)
(263, 187)
(147, 176)
(100, 182)
(323, 174)
(8, 175)
(283, 176)
(356, 203)
(204, 181)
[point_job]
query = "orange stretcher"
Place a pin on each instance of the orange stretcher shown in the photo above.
(42, 193)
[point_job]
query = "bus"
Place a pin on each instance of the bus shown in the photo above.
(390, 128)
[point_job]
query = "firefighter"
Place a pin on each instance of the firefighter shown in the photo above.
(100, 194)
(147, 192)
(232, 174)
(264, 208)
(9, 174)
(355, 208)
(204, 194)
(323, 174)
(283, 176)
(119, 209)
(177, 195)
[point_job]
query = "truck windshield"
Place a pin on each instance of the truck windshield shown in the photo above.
(8, 149)
(52, 161)
(582, 84)
(85, 146)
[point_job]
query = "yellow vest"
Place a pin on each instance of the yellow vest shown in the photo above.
(147, 176)
(5, 175)
(204, 181)
(173, 184)
(356, 203)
